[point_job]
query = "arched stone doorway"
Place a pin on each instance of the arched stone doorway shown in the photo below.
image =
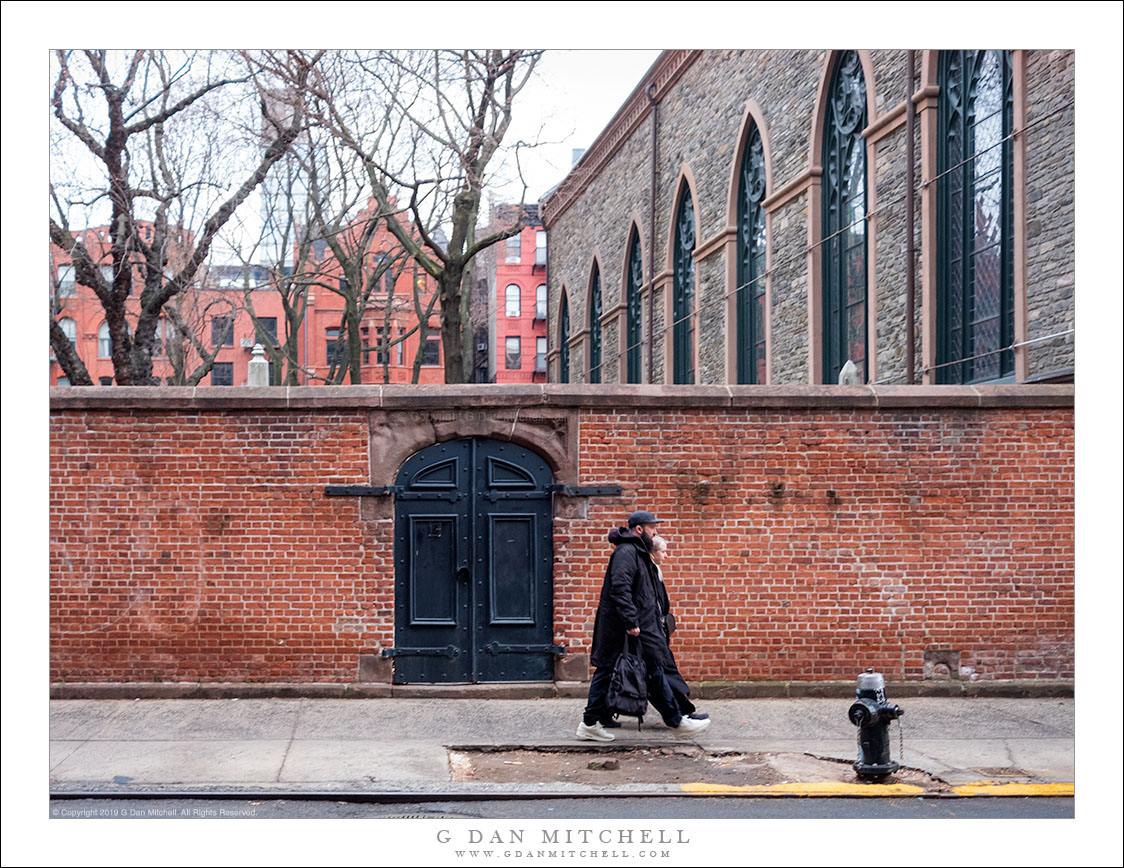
(473, 562)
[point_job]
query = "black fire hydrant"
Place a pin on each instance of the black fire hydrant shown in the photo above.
(872, 715)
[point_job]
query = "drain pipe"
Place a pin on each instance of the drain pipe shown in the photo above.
(652, 235)
(909, 247)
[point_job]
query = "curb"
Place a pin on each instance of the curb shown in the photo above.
(1030, 688)
(791, 790)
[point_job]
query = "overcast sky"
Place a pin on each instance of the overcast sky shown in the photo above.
(574, 94)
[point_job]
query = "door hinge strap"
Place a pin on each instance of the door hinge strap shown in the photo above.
(447, 651)
(359, 490)
(585, 490)
(497, 648)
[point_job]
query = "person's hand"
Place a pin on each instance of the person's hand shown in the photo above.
(635, 631)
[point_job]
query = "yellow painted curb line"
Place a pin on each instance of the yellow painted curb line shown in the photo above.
(819, 788)
(991, 788)
(835, 788)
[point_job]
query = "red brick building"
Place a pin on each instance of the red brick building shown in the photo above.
(394, 340)
(216, 311)
(518, 325)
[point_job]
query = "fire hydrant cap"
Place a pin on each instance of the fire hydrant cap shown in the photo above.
(870, 680)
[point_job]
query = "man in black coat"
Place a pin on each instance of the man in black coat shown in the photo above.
(630, 605)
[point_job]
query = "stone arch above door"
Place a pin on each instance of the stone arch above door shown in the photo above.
(395, 435)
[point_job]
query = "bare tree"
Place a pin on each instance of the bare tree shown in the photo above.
(428, 125)
(145, 132)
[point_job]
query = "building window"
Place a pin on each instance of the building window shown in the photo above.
(431, 352)
(683, 307)
(844, 220)
(381, 355)
(62, 381)
(751, 262)
(540, 355)
(268, 325)
(400, 344)
(67, 286)
(540, 301)
(975, 217)
(222, 331)
(222, 374)
(343, 284)
(105, 381)
(105, 345)
(107, 274)
(564, 340)
(595, 327)
(511, 300)
(512, 356)
(70, 329)
(335, 346)
(540, 247)
(513, 245)
(632, 309)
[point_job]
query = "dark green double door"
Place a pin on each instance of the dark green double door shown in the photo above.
(473, 565)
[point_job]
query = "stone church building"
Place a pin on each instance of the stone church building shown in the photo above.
(746, 218)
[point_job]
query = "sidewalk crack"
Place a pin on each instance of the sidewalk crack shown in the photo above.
(292, 738)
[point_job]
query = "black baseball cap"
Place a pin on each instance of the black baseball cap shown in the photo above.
(642, 517)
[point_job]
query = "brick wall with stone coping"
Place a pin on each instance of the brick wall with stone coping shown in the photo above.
(925, 531)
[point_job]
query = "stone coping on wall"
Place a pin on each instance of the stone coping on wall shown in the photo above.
(663, 397)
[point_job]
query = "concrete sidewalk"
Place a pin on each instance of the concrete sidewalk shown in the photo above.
(385, 746)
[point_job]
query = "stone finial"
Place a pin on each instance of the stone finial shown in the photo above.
(258, 369)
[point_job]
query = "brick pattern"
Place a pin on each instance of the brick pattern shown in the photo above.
(201, 547)
(805, 543)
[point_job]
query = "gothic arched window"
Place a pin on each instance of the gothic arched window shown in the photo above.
(844, 220)
(975, 217)
(595, 327)
(683, 306)
(633, 334)
(751, 262)
(564, 340)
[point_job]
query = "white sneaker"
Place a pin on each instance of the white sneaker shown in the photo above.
(594, 732)
(689, 728)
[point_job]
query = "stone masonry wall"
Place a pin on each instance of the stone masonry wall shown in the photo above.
(700, 117)
(813, 531)
(1050, 152)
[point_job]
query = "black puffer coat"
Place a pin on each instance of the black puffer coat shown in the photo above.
(629, 598)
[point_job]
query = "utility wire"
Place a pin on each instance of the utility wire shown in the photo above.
(721, 299)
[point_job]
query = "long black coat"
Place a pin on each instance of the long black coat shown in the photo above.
(629, 598)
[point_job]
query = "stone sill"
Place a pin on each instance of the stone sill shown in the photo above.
(528, 395)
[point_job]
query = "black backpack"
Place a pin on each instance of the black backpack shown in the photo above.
(628, 687)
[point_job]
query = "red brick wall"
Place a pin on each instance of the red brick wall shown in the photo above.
(200, 546)
(946, 530)
(805, 542)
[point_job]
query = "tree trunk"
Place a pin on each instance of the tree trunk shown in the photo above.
(452, 326)
(68, 357)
